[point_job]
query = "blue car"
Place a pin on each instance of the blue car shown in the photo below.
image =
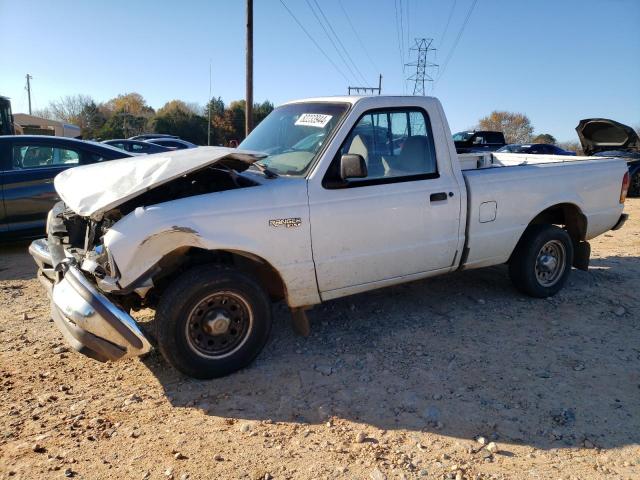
(534, 149)
(137, 146)
(28, 165)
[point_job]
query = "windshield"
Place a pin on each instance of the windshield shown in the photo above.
(462, 136)
(292, 134)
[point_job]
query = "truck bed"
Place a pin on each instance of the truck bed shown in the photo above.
(506, 191)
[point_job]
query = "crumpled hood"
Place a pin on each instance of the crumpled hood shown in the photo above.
(91, 190)
(600, 134)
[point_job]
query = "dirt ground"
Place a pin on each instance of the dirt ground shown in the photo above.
(397, 383)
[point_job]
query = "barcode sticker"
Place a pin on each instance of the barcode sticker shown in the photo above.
(319, 120)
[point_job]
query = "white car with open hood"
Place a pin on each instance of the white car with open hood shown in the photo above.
(327, 197)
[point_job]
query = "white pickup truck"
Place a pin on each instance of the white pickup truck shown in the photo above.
(327, 197)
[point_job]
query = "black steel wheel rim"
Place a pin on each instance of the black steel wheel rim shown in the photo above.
(219, 324)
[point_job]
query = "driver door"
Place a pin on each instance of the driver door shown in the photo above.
(401, 220)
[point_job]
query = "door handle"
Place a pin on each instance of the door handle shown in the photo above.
(438, 197)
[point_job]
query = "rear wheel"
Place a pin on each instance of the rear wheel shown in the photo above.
(541, 262)
(212, 321)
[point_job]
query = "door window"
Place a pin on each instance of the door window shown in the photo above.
(493, 137)
(38, 156)
(135, 147)
(397, 145)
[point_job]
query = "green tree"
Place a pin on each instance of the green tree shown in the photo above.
(217, 107)
(215, 110)
(544, 138)
(516, 127)
(231, 125)
(132, 103)
(92, 119)
(122, 125)
(234, 116)
(177, 118)
(126, 115)
(260, 111)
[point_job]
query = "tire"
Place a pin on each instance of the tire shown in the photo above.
(212, 321)
(532, 268)
(634, 187)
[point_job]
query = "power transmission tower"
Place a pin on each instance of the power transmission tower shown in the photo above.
(421, 75)
(29, 78)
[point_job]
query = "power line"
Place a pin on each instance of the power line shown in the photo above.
(446, 27)
(402, 26)
(346, 15)
(455, 44)
(408, 23)
(400, 40)
(340, 43)
(326, 32)
(314, 42)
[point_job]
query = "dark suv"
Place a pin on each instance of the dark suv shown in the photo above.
(478, 141)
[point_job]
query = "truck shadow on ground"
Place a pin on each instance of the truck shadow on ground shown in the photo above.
(462, 355)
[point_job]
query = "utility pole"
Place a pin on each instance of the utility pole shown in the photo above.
(124, 120)
(248, 111)
(209, 109)
(423, 47)
(29, 78)
(368, 89)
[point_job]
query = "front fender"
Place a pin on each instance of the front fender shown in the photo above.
(142, 238)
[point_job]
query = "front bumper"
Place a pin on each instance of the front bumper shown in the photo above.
(89, 321)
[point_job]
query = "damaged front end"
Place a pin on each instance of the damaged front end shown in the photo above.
(88, 304)
(91, 323)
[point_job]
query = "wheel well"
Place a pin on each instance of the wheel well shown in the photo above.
(567, 215)
(178, 261)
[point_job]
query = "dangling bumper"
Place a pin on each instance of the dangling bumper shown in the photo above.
(89, 321)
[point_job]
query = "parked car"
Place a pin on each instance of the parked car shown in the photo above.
(137, 146)
(174, 143)
(607, 138)
(478, 141)
(28, 164)
(6, 118)
(534, 148)
(212, 238)
(147, 136)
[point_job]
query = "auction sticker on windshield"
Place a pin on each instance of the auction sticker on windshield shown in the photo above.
(319, 120)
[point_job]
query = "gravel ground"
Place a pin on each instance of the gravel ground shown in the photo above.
(453, 377)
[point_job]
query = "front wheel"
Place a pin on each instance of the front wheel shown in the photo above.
(541, 262)
(212, 321)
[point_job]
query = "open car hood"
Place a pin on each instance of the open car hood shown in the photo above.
(91, 190)
(600, 134)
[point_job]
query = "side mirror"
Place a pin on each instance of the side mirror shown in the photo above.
(352, 166)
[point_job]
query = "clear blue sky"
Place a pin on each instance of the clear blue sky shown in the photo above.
(555, 60)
